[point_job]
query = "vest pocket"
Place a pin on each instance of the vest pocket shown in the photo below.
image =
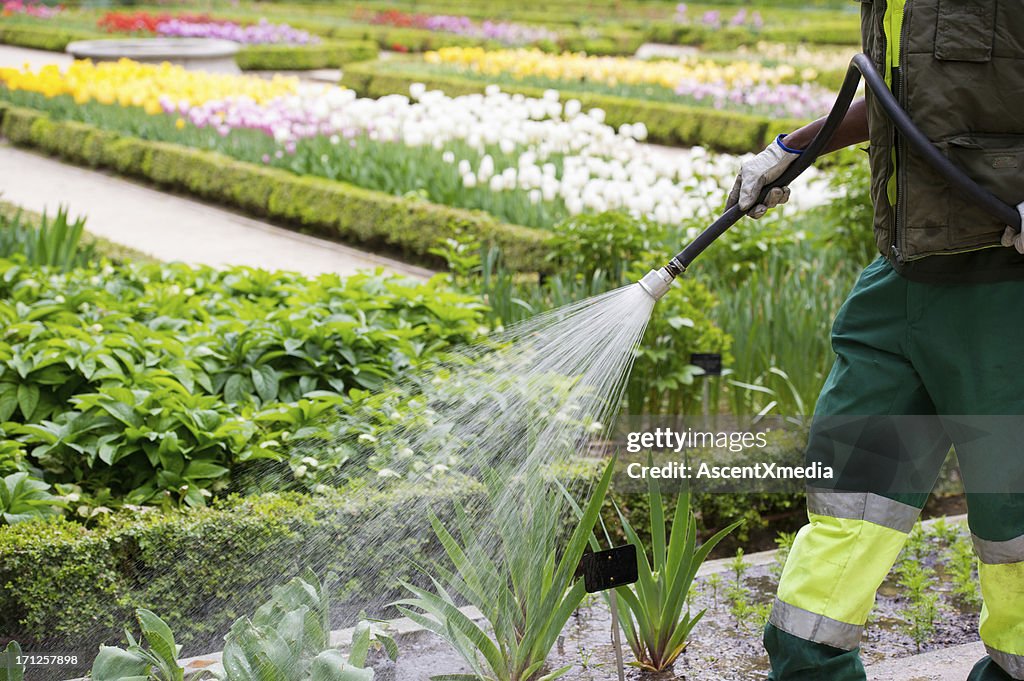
(996, 162)
(965, 31)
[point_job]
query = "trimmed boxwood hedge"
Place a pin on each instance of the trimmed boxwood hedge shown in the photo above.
(333, 209)
(329, 54)
(667, 123)
(72, 588)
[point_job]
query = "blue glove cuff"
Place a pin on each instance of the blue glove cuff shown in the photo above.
(778, 140)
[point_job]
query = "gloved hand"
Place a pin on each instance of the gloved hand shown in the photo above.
(1012, 237)
(763, 169)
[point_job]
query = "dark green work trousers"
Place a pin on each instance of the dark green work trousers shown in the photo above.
(907, 348)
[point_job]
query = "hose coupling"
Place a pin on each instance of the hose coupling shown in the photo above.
(657, 282)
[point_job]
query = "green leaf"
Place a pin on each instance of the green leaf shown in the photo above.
(265, 379)
(28, 399)
(8, 400)
(10, 668)
(330, 665)
(115, 664)
(203, 470)
(159, 636)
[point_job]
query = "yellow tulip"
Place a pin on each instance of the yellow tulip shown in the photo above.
(525, 63)
(143, 85)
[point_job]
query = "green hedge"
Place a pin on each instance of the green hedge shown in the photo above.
(602, 42)
(53, 39)
(667, 123)
(330, 54)
(731, 37)
(67, 587)
(333, 209)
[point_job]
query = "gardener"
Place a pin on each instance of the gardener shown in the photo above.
(930, 328)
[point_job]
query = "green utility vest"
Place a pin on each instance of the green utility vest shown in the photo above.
(957, 67)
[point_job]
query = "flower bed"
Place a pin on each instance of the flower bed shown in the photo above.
(332, 209)
(505, 32)
(31, 9)
(527, 161)
(332, 53)
(747, 86)
(670, 123)
(204, 26)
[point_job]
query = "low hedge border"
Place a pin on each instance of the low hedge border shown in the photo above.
(328, 208)
(324, 55)
(667, 123)
(74, 587)
(328, 54)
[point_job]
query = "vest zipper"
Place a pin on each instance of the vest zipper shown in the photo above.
(899, 91)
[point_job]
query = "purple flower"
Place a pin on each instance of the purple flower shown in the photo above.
(260, 33)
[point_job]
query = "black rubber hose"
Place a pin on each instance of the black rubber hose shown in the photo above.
(859, 66)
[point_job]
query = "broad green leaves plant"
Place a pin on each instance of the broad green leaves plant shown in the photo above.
(157, 383)
(25, 498)
(526, 594)
(157, 660)
(652, 610)
(288, 639)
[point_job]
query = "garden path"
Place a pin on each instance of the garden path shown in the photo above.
(17, 57)
(171, 227)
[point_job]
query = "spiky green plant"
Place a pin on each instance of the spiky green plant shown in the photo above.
(652, 610)
(56, 242)
(526, 594)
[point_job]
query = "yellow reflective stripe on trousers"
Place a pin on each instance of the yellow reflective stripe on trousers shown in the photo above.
(834, 569)
(1001, 572)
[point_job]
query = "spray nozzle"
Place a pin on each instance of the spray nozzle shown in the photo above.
(657, 282)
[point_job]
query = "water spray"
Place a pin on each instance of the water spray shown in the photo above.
(658, 281)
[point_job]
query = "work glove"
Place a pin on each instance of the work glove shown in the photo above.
(759, 171)
(1012, 237)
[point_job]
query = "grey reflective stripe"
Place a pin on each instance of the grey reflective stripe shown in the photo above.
(1011, 664)
(999, 552)
(813, 627)
(872, 508)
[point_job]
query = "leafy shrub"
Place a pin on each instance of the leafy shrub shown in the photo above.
(154, 382)
(296, 58)
(851, 214)
(71, 586)
(24, 498)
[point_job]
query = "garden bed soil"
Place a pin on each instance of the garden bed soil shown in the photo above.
(720, 649)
